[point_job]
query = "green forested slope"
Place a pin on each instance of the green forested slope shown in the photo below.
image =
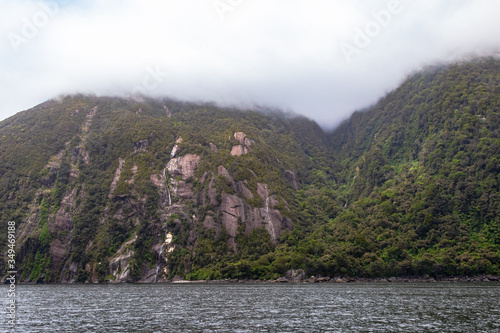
(407, 187)
(420, 174)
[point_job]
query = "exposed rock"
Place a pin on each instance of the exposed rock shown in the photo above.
(262, 191)
(183, 166)
(244, 191)
(319, 279)
(212, 193)
(119, 265)
(240, 137)
(80, 153)
(116, 178)
(204, 177)
(182, 189)
(61, 227)
(120, 268)
(291, 177)
(248, 142)
(253, 173)
(73, 268)
(232, 245)
(210, 224)
(273, 201)
(175, 150)
(134, 173)
(224, 173)
(149, 276)
(213, 147)
(58, 251)
(88, 120)
(140, 146)
(239, 150)
(232, 213)
(157, 180)
(202, 198)
(296, 275)
(30, 223)
(73, 174)
(55, 161)
(163, 193)
(271, 218)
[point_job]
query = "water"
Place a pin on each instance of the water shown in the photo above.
(367, 307)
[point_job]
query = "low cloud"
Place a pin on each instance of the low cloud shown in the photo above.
(323, 59)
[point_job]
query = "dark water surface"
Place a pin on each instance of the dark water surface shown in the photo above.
(360, 307)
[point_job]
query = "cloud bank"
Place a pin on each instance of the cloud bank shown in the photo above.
(323, 59)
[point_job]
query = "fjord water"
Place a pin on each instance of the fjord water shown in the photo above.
(359, 307)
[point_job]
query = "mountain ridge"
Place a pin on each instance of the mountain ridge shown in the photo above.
(121, 190)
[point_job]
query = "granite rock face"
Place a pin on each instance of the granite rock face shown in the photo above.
(187, 198)
(245, 144)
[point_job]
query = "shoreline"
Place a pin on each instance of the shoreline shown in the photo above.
(311, 280)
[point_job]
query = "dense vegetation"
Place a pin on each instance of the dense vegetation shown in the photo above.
(409, 186)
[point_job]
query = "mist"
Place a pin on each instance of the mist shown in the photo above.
(323, 60)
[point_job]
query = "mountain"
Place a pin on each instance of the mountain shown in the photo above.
(113, 189)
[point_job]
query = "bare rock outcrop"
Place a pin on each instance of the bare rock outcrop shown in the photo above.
(233, 213)
(245, 192)
(295, 275)
(183, 166)
(212, 193)
(239, 150)
(243, 139)
(79, 152)
(116, 178)
(213, 147)
(119, 264)
(291, 177)
(210, 224)
(271, 218)
(240, 137)
(224, 173)
(61, 227)
(244, 146)
(134, 170)
(175, 150)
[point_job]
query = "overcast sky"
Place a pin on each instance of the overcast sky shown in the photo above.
(321, 58)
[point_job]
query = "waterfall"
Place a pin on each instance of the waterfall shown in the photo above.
(157, 269)
(158, 265)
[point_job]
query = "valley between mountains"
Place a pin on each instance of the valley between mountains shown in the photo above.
(109, 189)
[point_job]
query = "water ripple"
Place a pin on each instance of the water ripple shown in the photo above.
(367, 307)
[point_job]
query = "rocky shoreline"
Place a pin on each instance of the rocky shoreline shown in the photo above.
(412, 279)
(299, 276)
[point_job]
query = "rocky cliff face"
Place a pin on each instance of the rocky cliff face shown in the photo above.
(125, 223)
(110, 189)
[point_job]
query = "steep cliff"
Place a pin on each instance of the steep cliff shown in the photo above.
(134, 196)
(118, 190)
